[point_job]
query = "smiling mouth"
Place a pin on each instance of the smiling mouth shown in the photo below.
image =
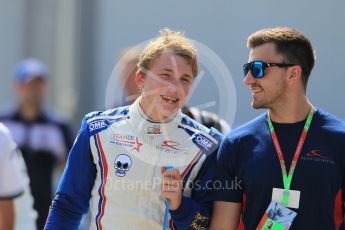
(170, 99)
(256, 90)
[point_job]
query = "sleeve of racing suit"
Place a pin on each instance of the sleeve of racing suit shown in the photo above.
(74, 191)
(195, 211)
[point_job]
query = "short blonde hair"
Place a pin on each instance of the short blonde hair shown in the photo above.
(169, 40)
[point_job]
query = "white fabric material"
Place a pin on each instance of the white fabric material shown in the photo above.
(14, 180)
(134, 151)
(26, 215)
(11, 181)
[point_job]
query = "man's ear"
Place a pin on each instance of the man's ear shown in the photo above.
(139, 79)
(295, 73)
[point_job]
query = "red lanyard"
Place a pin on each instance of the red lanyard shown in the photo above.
(287, 178)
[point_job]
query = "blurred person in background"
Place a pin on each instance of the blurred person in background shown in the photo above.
(43, 137)
(16, 203)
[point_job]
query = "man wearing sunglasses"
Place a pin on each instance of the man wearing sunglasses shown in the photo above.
(290, 157)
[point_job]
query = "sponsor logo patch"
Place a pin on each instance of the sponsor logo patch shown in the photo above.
(155, 129)
(126, 140)
(170, 147)
(122, 164)
(203, 142)
(95, 125)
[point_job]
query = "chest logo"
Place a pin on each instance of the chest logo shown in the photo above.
(122, 164)
(316, 153)
(125, 140)
(317, 156)
(155, 129)
(170, 144)
(170, 147)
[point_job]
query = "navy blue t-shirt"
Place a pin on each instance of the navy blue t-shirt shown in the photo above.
(248, 165)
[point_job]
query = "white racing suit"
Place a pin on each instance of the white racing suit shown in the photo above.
(116, 162)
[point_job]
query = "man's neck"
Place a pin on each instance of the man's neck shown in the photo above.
(291, 112)
(29, 112)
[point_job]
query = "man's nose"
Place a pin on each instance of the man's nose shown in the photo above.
(248, 79)
(174, 84)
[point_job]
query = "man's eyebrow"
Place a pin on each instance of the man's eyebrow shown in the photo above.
(188, 76)
(167, 70)
(172, 71)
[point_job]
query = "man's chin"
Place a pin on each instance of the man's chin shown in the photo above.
(257, 105)
(34, 101)
(168, 113)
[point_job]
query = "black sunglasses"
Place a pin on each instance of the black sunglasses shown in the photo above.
(257, 68)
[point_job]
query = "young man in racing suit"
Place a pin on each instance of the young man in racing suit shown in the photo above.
(118, 156)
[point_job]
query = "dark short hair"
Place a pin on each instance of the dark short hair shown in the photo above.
(292, 44)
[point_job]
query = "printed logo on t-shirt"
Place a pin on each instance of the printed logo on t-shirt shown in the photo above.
(317, 156)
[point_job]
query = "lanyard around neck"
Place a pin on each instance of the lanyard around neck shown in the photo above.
(287, 178)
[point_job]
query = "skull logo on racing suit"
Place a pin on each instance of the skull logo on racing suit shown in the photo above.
(122, 164)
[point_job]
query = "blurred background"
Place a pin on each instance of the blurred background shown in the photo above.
(80, 42)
